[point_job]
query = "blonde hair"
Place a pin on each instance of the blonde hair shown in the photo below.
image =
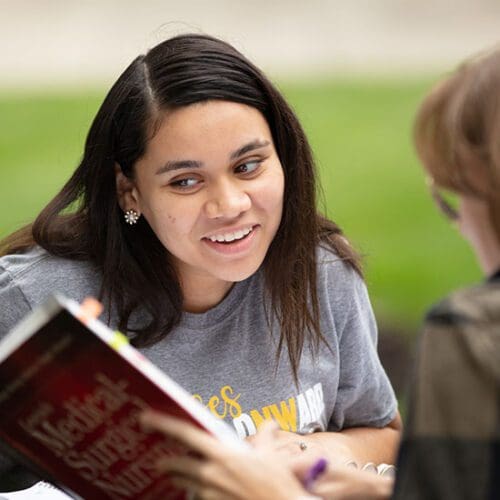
(457, 131)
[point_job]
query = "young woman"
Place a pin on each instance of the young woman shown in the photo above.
(192, 216)
(451, 446)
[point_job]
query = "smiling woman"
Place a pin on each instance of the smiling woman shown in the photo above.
(215, 208)
(193, 217)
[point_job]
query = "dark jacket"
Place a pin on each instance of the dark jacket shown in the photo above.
(450, 448)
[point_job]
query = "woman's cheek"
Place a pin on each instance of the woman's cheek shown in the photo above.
(271, 193)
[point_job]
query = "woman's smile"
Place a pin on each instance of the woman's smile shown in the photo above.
(233, 242)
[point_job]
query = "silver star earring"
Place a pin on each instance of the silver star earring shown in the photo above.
(131, 216)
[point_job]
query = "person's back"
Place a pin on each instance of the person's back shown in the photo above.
(450, 448)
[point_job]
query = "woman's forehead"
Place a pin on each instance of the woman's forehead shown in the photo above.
(211, 126)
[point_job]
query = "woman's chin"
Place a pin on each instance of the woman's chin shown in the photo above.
(236, 273)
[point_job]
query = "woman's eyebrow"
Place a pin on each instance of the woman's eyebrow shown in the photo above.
(250, 146)
(178, 164)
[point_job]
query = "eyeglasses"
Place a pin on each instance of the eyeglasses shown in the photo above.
(446, 201)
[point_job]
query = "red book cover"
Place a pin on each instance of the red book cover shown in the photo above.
(70, 397)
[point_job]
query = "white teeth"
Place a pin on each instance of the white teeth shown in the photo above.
(227, 237)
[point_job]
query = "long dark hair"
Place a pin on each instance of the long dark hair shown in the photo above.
(85, 222)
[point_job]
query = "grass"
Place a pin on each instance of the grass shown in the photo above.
(373, 185)
(374, 188)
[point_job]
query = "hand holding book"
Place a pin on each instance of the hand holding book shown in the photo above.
(214, 470)
(71, 392)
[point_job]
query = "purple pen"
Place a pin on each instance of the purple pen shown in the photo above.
(314, 472)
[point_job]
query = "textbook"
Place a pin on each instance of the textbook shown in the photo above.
(41, 491)
(71, 392)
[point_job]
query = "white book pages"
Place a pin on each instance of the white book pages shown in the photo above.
(39, 491)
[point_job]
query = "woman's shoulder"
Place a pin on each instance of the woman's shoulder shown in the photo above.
(16, 264)
(480, 303)
(334, 268)
(467, 321)
(342, 293)
(28, 278)
(36, 263)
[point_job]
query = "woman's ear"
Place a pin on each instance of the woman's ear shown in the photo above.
(126, 191)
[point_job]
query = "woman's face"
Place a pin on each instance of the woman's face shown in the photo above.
(211, 187)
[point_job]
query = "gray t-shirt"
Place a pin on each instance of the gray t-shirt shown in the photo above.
(225, 357)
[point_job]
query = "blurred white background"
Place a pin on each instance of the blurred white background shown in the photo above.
(68, 42)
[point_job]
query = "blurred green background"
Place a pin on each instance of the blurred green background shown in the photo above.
(360, 131)
(354, 72)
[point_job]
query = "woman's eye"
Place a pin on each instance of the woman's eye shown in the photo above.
(248, 167)
(185, 183)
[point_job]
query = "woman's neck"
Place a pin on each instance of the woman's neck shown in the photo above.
(201, 294)
(476, 226)
(487, 249)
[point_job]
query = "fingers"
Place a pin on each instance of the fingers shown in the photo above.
(346, 483)
(199, 476)
(201, 492)
(182, 431)
(186, 466)
(302, 465)
(267, 435)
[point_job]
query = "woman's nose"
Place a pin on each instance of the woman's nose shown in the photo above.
(227, 200)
